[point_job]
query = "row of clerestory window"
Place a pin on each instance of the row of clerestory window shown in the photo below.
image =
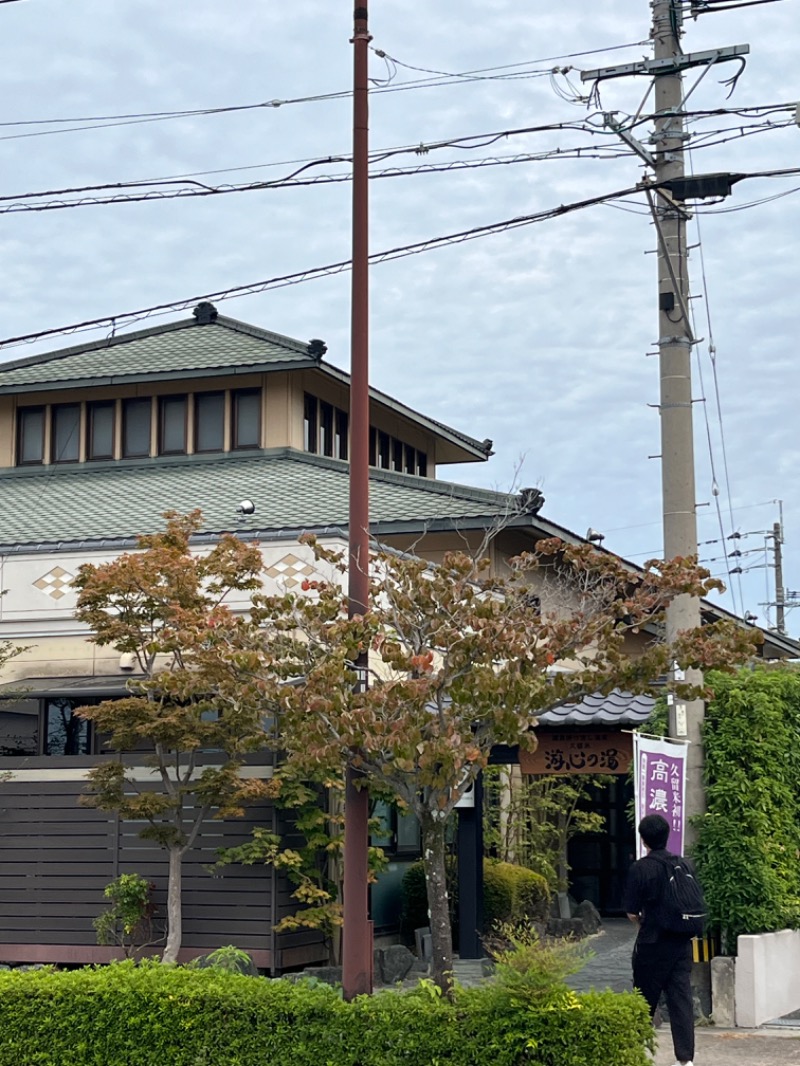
(139, 427)
(325, 432)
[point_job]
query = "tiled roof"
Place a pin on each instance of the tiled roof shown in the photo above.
(618, 708)
(292, 491)
(184, 351)
(179, 348)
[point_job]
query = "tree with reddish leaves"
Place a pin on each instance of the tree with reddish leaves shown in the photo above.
(165, 605)
(461, 659)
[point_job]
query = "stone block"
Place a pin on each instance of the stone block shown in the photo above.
(723, 991)
(393, 964)
(589, 915)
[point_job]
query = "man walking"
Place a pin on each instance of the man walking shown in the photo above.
(661, 959)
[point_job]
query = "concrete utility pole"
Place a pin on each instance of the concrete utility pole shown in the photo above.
(357, 929)
(675, 353)
(780, 592)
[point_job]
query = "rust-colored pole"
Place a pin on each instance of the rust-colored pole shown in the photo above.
(357, 932)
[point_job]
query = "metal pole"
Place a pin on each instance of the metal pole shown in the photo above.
(357, 933)
(675, 351)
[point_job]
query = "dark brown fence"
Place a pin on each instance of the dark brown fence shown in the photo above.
(57, 856)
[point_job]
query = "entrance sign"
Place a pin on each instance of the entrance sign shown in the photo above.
(573, 751)
(659, 786)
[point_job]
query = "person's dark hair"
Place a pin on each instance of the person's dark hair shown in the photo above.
(654, 831)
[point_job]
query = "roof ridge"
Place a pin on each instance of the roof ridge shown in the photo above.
(96, 345)
(120, 339)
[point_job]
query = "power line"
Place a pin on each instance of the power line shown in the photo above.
(400, 252)
(136, 118)
(22, 202)
(14, 206)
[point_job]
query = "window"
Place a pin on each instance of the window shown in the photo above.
(100, 431)
(65, 433)
(310, 423)
(384, 450)
(422, 464)
(247, 419)
(135, 428)
(19, 728)
(209, 422)
(30, 435)
(64, 732)
(340, 439)
(326, 429)
(172, 425)
(397, 455)
(410, 460)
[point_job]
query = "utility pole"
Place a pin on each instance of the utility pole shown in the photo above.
(357, 929)
(780, 593)
(667, 193)
(675, 341)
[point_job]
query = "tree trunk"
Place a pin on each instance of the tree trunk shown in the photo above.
(174, 930)
(433, 854)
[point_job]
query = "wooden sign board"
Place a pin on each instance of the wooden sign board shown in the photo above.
(573, 751)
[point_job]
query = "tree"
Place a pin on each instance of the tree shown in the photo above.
(461, 660)
(164, 605)
(531, 819)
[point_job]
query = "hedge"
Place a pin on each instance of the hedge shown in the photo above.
(153, 1015)
(749, 837)
(510, 893)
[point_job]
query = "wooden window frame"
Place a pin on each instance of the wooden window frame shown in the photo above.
(54, 410)
(198, 399)
(22, 413)
(163, 403)
(236, 395)
(91, 407)
(126, 404)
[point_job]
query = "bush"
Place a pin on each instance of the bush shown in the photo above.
(149, 1015)
(749, 839)
(510, 893)
(524, 895)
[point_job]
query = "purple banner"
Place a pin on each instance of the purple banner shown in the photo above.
(660, 786)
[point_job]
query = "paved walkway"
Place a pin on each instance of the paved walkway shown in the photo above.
(777, 1044)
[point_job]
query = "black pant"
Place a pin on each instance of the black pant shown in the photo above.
(666, 966)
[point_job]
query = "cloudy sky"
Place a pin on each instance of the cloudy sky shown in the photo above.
(536, 338)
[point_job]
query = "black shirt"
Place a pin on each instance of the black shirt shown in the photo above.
(643, 891)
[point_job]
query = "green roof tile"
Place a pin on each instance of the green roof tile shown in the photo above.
(177, 349)
(291, 490)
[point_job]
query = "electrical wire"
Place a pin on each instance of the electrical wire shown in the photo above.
(136, 192)
(93, 122)
(21, 204)
(400, 252)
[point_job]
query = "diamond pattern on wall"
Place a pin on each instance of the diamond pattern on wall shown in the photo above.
(290, 570)
(55, 583)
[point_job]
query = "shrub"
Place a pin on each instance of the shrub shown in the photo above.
(749, 839)
(128, 922)
(530, 969)
(529, 893)
(149, 1015)
(510, 893)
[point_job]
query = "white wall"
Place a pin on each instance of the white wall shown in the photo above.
(767, 977)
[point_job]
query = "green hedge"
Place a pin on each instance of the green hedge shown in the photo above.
(510, 893)
(749, 839)
(151, 1015)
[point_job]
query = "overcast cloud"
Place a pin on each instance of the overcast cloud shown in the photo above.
(536, 338)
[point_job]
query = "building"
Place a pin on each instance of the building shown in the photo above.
(97, 441)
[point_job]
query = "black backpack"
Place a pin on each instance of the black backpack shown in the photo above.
(682, 907)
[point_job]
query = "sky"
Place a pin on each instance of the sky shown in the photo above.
(540, 337)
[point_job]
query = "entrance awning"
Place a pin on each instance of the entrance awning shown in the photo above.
(31, 688)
